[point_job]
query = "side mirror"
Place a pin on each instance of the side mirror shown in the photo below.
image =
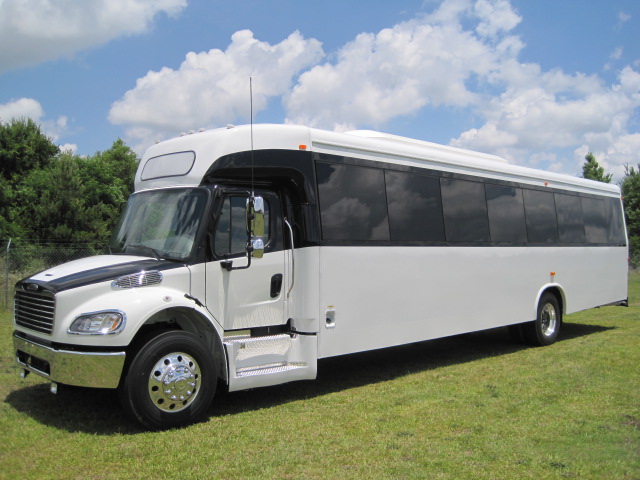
(255, 225)
(257, 246)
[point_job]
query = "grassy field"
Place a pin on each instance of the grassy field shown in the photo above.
(474, 406)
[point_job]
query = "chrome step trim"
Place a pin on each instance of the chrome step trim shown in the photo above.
(269, 369)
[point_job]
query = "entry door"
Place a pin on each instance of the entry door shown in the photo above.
(252, 297)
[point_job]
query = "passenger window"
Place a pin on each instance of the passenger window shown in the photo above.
(616, 223)
(353, 205)
(542, 226)
(465, 210)
(415, 207)
(595, 220)
(570, 222)
(231, 230)
(506, 214)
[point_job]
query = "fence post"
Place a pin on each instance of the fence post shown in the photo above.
(6, 279)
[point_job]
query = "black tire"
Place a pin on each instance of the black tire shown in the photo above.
(544, 330)
(170, 382)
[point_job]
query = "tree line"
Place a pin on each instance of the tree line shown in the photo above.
(58, 197)
(51, 196)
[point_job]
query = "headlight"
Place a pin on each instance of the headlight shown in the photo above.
(98, 323)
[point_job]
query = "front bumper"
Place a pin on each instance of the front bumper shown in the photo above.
(82, 369)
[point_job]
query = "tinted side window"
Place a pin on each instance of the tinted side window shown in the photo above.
(570, 222)
(540, 211)
(613, 211)
(506, 214)
(465, 210)
(415, 207)
(595, 220)
(353, 205)
(231, 229)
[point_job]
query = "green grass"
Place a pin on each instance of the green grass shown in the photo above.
(474, 406)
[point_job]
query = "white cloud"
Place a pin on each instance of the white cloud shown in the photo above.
(24, 108)
(41, 30)
(69, 148)
(21, 108)
(463, 56)
(617, 53)
(212, 88)
(495, 17)
(554, 110)
(428, 61)
(623, 18)
(613, 154)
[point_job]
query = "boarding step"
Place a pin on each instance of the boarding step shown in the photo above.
(262, 355)
(270, 360)
(269, 369)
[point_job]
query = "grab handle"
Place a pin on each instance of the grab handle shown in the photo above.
(293, 258)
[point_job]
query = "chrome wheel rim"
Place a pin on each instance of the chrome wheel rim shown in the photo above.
(174, 382)
(549, 320)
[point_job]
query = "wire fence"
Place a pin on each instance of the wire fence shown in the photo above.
(19, 260)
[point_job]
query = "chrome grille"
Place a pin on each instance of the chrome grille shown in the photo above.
(34, 310)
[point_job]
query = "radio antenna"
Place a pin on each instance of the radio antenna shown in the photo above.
(251, 128)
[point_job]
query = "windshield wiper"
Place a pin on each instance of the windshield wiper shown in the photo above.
(156, 253)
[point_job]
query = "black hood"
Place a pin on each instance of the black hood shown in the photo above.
(100, 274)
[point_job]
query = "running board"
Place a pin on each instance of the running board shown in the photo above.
(270, 360)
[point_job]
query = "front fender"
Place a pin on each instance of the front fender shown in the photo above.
(139, 304)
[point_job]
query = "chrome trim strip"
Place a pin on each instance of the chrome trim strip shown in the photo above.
(140, 279)
(82, 369)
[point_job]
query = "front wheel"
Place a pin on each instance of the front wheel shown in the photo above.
(170, 382)
(544, 330)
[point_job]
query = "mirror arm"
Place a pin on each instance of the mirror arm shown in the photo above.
(228, 264)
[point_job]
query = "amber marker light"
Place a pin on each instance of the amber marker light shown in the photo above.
(302, 147)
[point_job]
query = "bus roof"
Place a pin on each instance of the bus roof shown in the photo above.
(183, 161)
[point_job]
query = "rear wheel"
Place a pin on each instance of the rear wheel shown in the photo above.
(544, 330)
(170, 382)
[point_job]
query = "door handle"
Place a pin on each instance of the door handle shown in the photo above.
(276, 285)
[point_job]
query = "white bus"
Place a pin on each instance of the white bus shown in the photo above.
(246, 265)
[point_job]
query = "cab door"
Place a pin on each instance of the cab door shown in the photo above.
(251, 297)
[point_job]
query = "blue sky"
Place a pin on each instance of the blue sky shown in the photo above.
(540, 82)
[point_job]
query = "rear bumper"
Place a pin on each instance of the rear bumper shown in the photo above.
(82, 369)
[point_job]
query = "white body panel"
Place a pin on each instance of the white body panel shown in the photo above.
(384, 296)
(138, 304)
(241, 299)
(304, 301)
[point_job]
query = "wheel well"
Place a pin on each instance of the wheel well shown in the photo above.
(185, 319)
(559, 294)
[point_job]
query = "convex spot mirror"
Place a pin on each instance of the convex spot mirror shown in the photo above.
(255, 225)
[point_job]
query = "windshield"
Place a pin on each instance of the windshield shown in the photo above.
(161, 224)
